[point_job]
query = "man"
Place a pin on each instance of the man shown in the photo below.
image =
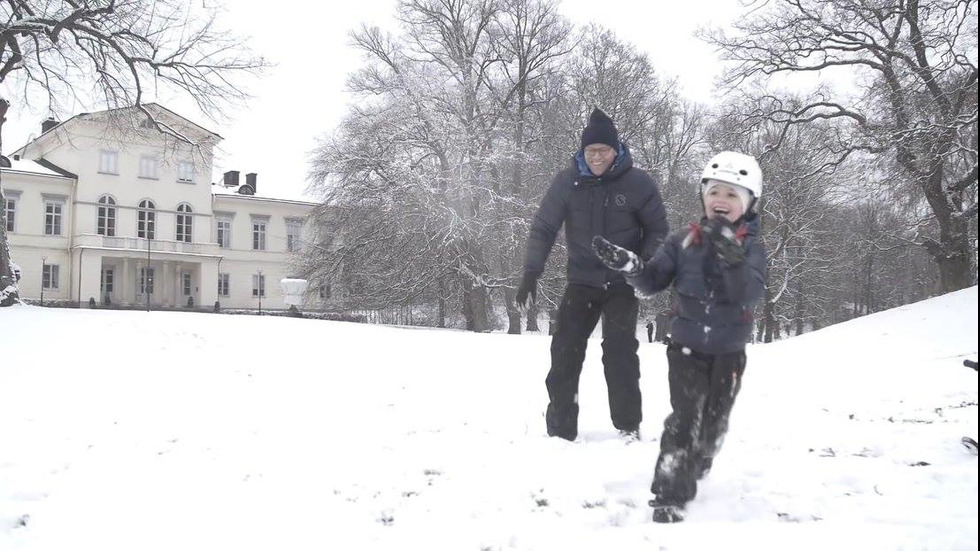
(600, 194)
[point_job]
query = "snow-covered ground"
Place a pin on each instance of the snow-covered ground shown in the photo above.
(176, 431)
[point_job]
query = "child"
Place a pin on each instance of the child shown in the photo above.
(717, 269)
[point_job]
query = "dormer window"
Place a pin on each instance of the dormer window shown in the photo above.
(148, 167)
(185, 172)
(108, 161)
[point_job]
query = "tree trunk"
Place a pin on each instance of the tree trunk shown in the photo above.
(800, 311)
(868, 289)
(513, 314)
(953, 255)
(513, 322)
(9, 293)
(768, 318)
(532, 318)
(442, 302)
(953, 252)
(476, 310)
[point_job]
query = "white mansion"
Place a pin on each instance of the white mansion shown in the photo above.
(126, 215)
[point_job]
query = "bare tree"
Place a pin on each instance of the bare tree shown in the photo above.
(125, 52)
(802, 177)
(612, 74)
(530, 37)
(463, 119)
(8, 284)
(916, 62)
(429, 116)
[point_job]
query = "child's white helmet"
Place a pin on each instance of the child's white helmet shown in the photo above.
(737, 169)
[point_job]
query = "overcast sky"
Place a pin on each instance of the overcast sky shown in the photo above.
(303, 97)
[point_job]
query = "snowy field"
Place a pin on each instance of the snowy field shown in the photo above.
(176, 431)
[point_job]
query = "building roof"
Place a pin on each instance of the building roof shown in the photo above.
(34, 167)
(219, 190)
(153, 107)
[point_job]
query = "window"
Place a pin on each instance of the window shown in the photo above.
(109, 162)
(10, 213)
(106, 224)
(184, 221)
(324, 291)
(224, 285)
(185, 283)
(145, 283)
(185, 171)
(292, 235)
(148, 167)
(258, 285)
(146, 220)
(52, 217)
(49, 276)
(258, 234)
(224, 233)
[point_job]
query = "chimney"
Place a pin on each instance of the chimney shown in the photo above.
(48, 124)
(250, 180)
(231, 178)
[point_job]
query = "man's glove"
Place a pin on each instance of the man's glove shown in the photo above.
(721, 234)
(528, 286)
(616, 257)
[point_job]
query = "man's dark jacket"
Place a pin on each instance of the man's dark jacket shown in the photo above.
(623, 206)
(714, 300)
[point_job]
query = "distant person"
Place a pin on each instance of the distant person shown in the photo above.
(602, 193)
(717, 268)
(649, 331)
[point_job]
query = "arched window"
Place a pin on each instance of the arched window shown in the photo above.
(184, 222)
(106, 222)
(146, 220)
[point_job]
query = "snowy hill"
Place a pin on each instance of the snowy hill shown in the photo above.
(165, 431)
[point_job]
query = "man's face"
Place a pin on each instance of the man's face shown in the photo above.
(599, 157)
(722, 201)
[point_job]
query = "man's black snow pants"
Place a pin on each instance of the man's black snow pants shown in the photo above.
(703, 388)
(580, 310)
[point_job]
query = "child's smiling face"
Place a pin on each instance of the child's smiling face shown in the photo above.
(722, 200)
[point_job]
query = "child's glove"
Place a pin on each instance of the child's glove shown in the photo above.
(721, 235)
(616, 257)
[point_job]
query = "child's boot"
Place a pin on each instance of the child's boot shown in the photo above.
(665, 512)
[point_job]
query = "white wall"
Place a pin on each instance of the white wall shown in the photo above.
(29, 246)
(76, 147)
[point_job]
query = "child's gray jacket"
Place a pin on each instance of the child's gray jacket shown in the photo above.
(713, 309)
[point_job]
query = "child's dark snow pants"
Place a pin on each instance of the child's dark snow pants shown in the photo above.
(703, 388)
(580, 310)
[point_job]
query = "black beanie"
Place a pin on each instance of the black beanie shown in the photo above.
(600, 130)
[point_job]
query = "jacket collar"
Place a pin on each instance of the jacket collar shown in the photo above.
(623, 162)
(747, 226)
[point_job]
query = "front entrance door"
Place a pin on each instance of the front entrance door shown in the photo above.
(107, 285)
(186, 290)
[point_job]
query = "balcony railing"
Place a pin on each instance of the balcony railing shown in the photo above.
(139, 244)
